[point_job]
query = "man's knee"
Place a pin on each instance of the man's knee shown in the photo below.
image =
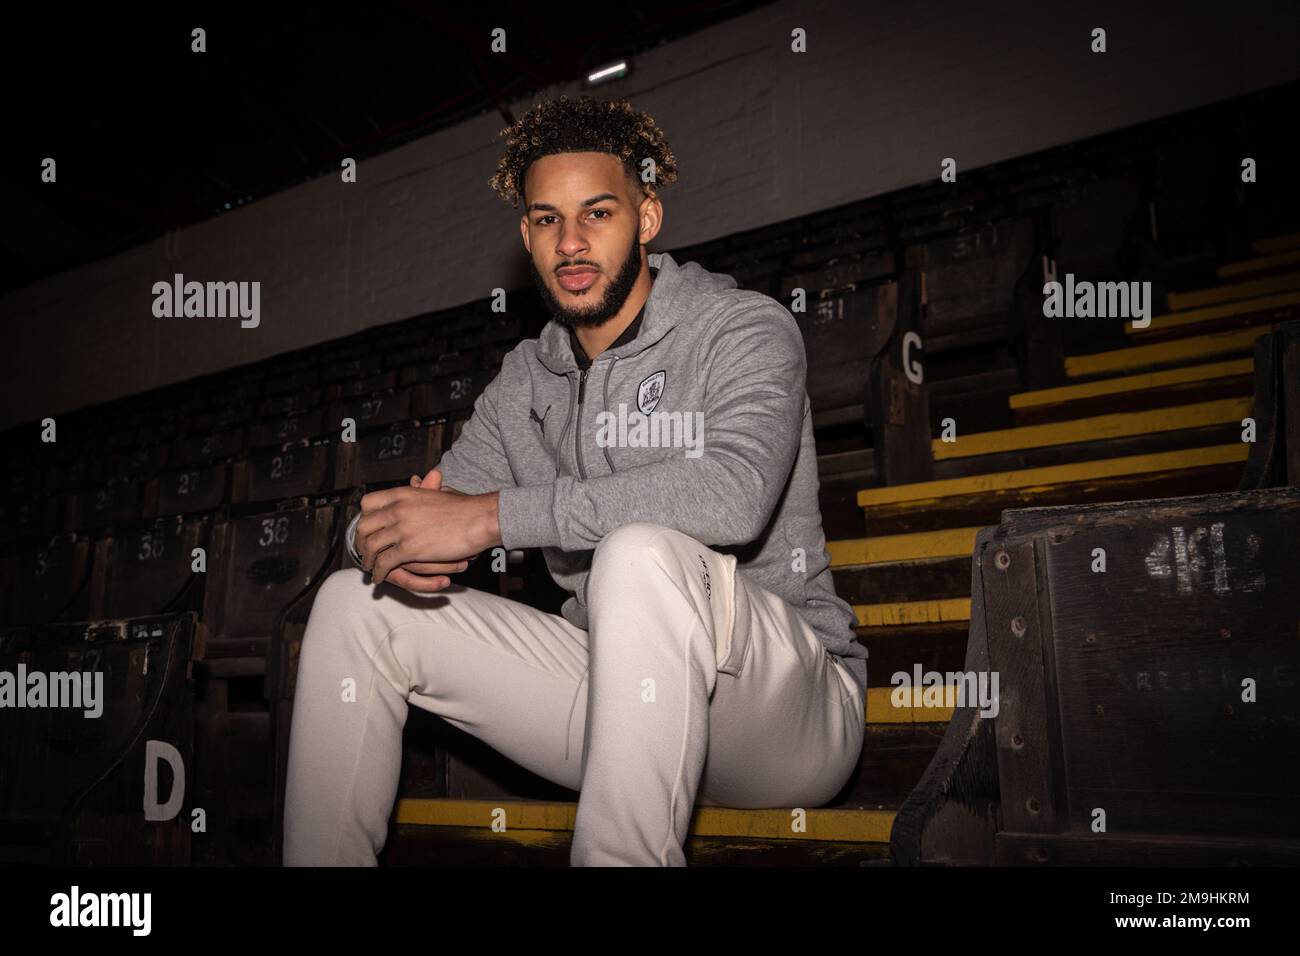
(639, 570)
(626, 546)
(339, 590)
(336, 605)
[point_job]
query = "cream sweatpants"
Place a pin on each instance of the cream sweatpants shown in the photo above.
(690, 682)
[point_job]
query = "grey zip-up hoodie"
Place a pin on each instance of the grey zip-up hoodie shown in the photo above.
(746, 486)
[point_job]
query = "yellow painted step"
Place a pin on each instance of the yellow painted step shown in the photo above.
(1146, 381)
(881, 708)
(1117, 425)
(1259, 264)
(1235, 292)
(1135, 357)
(1266, 247)
(924, 493)
(913, 612)
(1176, 320)
(886, 549)
(528, 820)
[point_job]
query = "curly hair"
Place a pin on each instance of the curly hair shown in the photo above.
(583, 125)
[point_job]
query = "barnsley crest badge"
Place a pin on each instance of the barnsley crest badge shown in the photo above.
(647, 396)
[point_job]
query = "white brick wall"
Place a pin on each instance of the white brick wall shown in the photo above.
(761, 135)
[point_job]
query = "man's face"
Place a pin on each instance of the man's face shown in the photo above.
(582, 228)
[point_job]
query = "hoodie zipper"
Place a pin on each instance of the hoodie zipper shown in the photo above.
(577, 432)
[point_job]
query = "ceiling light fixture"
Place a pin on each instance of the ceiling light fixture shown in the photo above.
(615, 71)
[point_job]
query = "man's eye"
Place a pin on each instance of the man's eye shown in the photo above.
(603, 212)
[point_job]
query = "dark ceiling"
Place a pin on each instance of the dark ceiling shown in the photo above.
(148, 136)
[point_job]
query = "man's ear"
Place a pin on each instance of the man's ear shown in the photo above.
(523, 231)
(649, 218)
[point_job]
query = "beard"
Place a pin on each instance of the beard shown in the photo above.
(600, 312)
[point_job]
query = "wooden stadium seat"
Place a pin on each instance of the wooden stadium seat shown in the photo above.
(120, 435)
(286, 376)
(75, 786)
(144, 569)
(1153, 698)
(498, 328)
(448, 393)
(221, 418)
(163, 429)
(52, 579)
(33, 517)
(292, 470)
(288, 403)
(379, 408)
(842, 328)
(368, 384)
(257, 564)
(389, 453)
(88, 468)
(970, 282)
(21, 477)
(1275, 454)
(1092, 221)
(357, 364)
(448, 363)
(200, 447)
(31, 503)
(273, 432)
(188, 489)
(240, 387)
(142, 463)
(232, 778)
(405, 351)
(113, 500)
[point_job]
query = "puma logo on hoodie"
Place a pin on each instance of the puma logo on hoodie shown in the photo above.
(532, 413)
